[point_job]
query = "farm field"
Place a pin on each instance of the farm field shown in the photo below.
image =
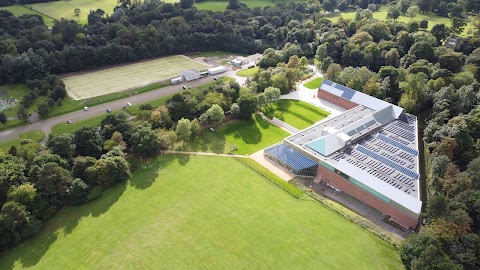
(381, 15)
(35, 135)
(20, 10)
(296, 113)
(125, 77)
(162, 218)
(313, 84)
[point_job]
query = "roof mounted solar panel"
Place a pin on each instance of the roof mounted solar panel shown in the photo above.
(388, 162)
(397, 144)
(291, 157)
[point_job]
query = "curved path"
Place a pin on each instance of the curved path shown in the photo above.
(47, 124)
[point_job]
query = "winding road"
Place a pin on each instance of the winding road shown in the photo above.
(47, 124)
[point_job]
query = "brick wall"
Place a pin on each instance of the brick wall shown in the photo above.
(344, 103)
(353, 190)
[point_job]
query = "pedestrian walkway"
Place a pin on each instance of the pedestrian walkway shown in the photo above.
(202, 154)
(280, 123)
(276, 123)
(281, 172)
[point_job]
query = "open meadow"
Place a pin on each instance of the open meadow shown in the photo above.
(125, 77)
(221, 5)
(183, 212)
(381, 15)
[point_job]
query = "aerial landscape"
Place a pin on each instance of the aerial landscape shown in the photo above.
(239, 134)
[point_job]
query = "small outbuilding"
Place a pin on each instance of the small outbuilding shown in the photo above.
(176, 80)
(191, 74)
(217, 70)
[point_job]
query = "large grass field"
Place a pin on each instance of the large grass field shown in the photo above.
(186, 212)
(125, 77)
(296, 113)
(35, 135)
(221, 5)
(21, 10)
(381, 15)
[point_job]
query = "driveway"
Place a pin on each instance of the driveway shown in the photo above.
(47, 124)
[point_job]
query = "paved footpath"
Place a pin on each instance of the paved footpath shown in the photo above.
(47, 124)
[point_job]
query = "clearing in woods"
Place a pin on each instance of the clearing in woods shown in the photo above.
(125, 77)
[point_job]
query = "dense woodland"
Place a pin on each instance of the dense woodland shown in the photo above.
(405, 64)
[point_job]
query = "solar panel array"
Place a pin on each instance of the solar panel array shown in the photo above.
(291, 157)
(388, 162)
(348, 93)
(397, 144)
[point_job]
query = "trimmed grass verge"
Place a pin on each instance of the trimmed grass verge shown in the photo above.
(163, 217)
(251, 136)
(35, 135)
(248, 72)
(252, 164)
(314, 84)
(296, 113)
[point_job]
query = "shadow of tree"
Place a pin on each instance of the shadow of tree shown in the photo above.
(31, 251)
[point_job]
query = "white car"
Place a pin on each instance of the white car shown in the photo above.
(129, 104)
(85, 108)
(69, 121)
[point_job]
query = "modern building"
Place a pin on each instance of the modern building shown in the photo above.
(217, 70)
(176, 80)
(239, 61)
(370, 152)
(191, 74)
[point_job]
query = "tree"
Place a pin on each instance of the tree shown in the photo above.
(88, 142)
(22, 114)
(184, 129)
(80, 164)
(215, 115)
(235, 4)
(271, 94)
(12, 173)
(248, 105)
(77, 12)
(392, 58)
(77, 192)
(440, 31)
(451, 61)
(24, 194)
(195, 127)
(3, 118)
(424, 24)
(187, 3)
(413, 11)
(422, 50)
(458, 25)
(473, 169)
(62, 145)
(333, 71)
(235, 109)
(393, 13)
(144, 141)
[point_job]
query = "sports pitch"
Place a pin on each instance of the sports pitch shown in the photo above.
(183, 212)
(121, 78)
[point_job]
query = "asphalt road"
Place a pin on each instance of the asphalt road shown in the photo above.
(47, 124)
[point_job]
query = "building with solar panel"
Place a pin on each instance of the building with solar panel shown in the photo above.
(370, 152)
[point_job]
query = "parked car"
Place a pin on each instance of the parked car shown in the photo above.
(69, 121)
(129, 104)
(85, 108)
(215, 78)
(109, 110)
(184, 87)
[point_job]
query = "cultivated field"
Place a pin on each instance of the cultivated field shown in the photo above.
(199, 212)
(121, 78)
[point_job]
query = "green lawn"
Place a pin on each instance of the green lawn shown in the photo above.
(313, 84)
(381, 15)
(215, 53)
(71, 128)
(252, 136)
(221, 5)
(296, 113)
(183, 212)
(64, 9)
(21, 10)
(248, 72)
(35, 135)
